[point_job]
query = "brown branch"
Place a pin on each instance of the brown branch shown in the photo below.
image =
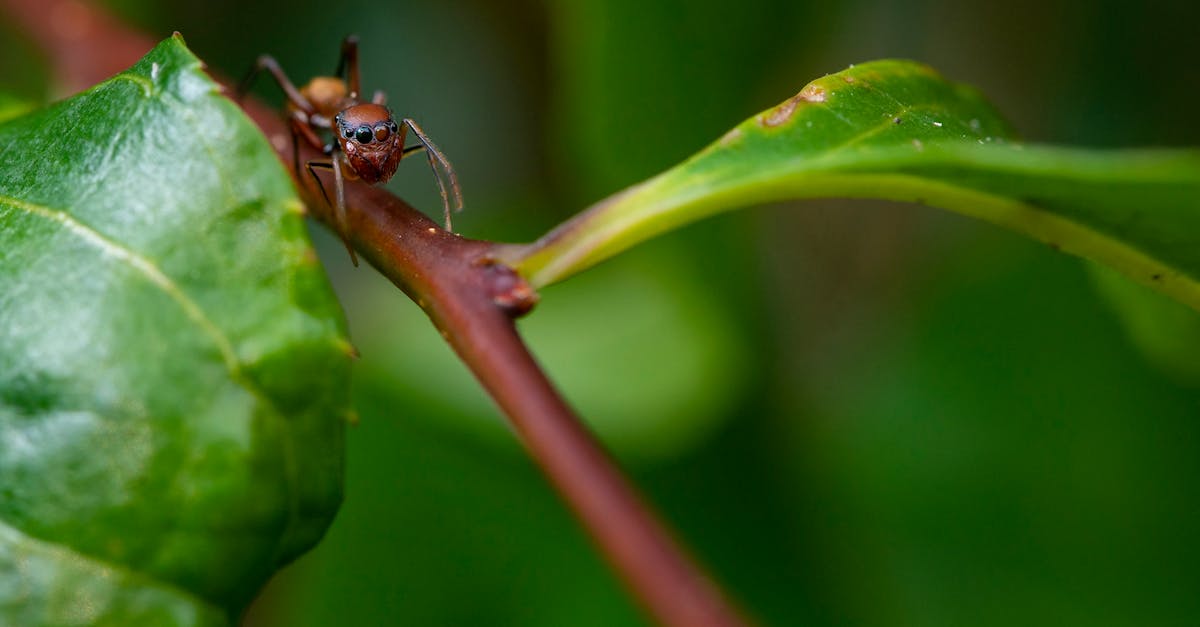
(472, 300)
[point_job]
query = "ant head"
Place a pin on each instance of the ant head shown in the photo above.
(368, 136)
(364, 124)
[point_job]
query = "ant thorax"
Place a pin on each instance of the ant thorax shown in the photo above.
(327, 95)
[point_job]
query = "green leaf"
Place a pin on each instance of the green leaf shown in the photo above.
(173, 364)
(897, 130)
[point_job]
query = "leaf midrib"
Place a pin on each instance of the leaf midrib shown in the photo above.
(150, 271)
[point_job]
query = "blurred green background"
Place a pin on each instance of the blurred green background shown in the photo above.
(855, 412)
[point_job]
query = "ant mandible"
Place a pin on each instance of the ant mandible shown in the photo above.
(367, 143)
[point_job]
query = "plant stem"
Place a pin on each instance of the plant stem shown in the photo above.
(472, 299)
(452, 279)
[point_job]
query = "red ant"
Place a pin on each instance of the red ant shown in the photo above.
(368, 143)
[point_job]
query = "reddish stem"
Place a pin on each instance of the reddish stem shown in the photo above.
(472, 300)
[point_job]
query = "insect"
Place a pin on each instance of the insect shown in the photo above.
(367, 141)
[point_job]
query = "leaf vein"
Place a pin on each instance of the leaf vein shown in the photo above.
(144, 266)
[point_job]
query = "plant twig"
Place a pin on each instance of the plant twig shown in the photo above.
(472, 299)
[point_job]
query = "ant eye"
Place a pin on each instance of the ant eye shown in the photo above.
(363, 134)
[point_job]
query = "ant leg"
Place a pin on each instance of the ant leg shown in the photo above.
(339, 185)
(436, 157)
(300, 127)
(340, 193)
(348, 65)
(271, 66)
(295, 149)
(312, 166)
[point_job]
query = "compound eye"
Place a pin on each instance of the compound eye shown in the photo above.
(363, 134)
(382, 131)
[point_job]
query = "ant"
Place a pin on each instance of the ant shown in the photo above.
(367, 143)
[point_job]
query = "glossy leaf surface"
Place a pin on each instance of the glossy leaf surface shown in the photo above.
(897, 130)
(173, 365)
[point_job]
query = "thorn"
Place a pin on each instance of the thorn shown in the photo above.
(509, 290)
(348, 349)
(296, 207)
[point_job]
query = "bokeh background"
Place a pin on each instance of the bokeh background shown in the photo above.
(857, 413)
